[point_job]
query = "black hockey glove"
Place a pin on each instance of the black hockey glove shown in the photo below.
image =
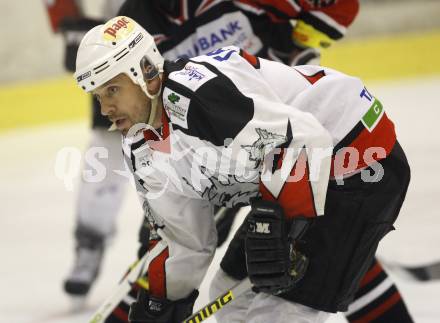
(147, 309)
(273, 261)
(73, 30)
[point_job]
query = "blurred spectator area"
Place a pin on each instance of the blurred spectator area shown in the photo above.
(390, 39)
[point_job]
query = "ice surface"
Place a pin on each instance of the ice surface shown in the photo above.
(37, 215)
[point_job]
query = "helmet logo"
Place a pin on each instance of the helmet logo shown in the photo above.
(118, 28)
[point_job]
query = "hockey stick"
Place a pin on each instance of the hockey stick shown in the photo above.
(415, 273)
(135, 275)
(217, 304)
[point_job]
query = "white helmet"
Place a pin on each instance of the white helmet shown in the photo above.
(119, 46)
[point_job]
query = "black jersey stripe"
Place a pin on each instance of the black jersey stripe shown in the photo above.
(321, 25)
(350, 137)
(276, 12)
(218, 111)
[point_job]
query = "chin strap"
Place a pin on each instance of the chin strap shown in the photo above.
(153, 110)
(154, 100)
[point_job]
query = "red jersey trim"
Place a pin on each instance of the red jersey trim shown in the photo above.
(296, 196)
(369, 146)
(157, 275)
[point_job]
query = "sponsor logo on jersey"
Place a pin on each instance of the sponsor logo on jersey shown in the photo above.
(192, 76)
(118, 28)
(192, 73)
(230, 29)
(215, 39)
(173, 97)
(373, 115)
(176, 106)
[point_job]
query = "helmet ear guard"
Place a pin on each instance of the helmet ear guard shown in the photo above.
(149, 70)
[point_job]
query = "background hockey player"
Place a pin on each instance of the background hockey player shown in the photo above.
(184, 28)
(306, 243)
(98, 203)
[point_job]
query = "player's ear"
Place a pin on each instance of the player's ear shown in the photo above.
(153, 86)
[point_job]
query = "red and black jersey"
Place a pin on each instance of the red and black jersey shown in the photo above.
(331, 17)
(191, 28)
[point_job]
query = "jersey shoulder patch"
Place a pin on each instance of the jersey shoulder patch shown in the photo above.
(192, 75)
(176, 106)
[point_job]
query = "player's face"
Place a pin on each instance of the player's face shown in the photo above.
(123, 102)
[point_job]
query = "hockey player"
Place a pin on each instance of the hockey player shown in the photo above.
(187, 28)
(262, 27)
(309, 148)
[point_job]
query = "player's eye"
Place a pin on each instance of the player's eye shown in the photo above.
(112, 90)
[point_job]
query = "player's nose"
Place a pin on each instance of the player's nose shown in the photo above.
(107, 108)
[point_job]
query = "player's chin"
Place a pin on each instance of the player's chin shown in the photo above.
(123, 125)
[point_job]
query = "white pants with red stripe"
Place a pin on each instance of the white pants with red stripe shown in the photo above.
(253, 307)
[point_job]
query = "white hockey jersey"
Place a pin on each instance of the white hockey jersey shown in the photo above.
(236, 127)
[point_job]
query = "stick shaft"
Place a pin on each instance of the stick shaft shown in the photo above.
(137, 272)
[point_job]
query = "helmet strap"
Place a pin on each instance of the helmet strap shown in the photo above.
(153, 111)
(154, 101)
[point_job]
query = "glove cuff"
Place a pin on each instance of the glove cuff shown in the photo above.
(148, 309)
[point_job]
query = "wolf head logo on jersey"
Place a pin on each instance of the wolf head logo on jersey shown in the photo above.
(225, 190)
(266, 142)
